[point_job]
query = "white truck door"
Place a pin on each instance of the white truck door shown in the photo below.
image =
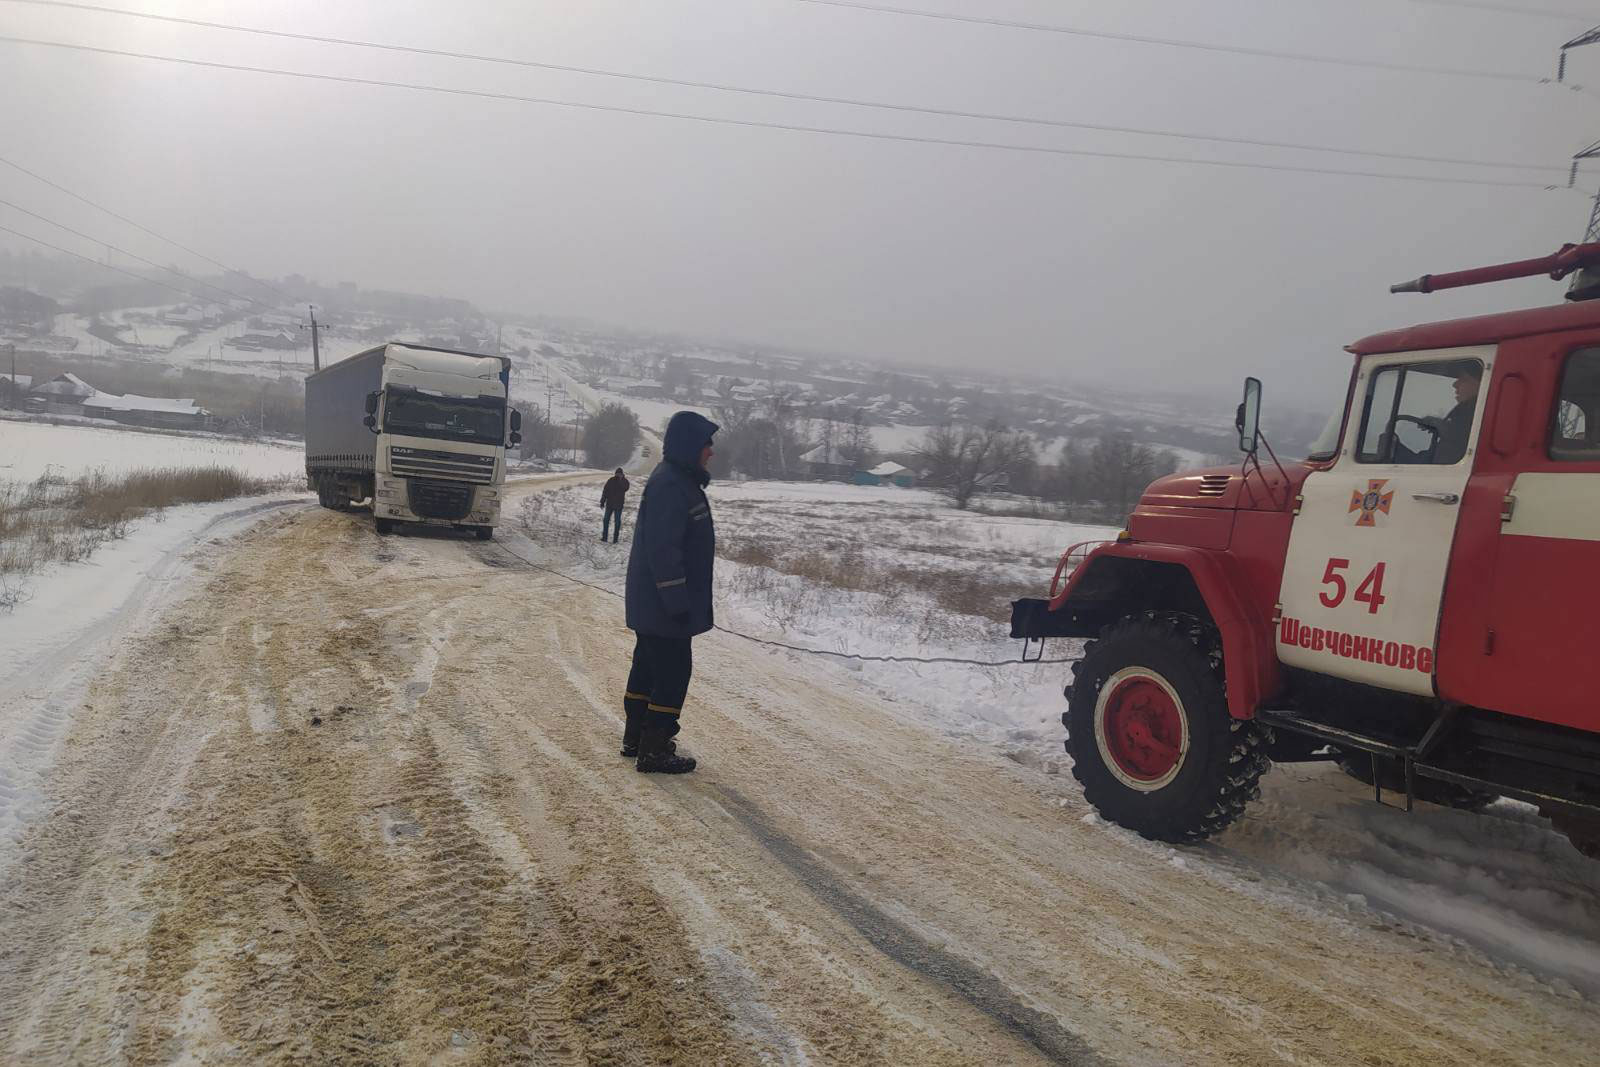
(1371, 542)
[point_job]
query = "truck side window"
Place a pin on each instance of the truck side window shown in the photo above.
(1575, 437)
(1420, 412)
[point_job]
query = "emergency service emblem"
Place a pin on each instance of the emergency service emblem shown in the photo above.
(1372, 503)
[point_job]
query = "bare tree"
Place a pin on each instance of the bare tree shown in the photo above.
(855, 445)
(538, 436)
(1118, 469)
(962, 459)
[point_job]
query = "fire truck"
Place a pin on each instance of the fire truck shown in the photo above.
(1418, 599)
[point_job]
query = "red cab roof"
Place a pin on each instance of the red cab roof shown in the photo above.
(1483, 329)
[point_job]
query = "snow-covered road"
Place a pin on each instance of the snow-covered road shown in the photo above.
(357, 799)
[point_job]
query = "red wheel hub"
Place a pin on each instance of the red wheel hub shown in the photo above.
(1143, 729)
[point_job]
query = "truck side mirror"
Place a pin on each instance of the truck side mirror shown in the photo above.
(1248, 419)
(516, 421)
(371, 423)
(516, 438)
(372, 404)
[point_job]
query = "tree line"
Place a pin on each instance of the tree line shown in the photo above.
(767, 440)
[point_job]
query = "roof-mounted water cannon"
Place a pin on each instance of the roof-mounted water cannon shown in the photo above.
(1557, 266)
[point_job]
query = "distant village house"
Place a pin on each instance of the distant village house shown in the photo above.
(68, 394)
(887, 473)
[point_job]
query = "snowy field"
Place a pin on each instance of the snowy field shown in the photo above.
(29, 449)
(1499, 884)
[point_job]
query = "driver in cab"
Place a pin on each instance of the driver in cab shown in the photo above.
(1451, 432)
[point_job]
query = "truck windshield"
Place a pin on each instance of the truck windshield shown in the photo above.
(1326, 445)
(456, 418)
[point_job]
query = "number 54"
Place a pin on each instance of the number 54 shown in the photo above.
(1369, 592)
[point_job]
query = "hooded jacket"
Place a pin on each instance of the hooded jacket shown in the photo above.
(615, 493)
(674, 543)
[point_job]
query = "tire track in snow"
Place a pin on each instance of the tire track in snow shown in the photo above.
(911, 950)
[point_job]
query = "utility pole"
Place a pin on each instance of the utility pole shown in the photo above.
(316, 347)
(15, 391)
(1585, 284)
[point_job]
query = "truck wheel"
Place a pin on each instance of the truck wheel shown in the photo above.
(1149, 732)
(1392, 776)
(324, 498)
(1583, 833)
(383, 526)
(485, 533)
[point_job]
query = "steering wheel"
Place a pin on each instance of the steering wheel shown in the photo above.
(1430, 426)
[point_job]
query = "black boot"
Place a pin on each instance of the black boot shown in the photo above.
(657, 751)
(635, 710)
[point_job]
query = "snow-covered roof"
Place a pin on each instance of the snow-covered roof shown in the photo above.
(65, 385)
(888, 469)
(133, 402)
(22, 380)
(824, 454)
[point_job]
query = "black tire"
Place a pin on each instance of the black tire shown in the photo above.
(1216, 761)
(1392, 775)
(383, 526)
(324, 497)
(485, 533)
(1583, 833)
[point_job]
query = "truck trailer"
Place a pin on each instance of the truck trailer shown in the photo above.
(419, 431)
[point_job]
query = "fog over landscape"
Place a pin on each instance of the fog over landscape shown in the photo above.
(1127, 272)
(840, 532)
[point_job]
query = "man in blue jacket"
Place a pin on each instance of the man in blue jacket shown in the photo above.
(669, 592)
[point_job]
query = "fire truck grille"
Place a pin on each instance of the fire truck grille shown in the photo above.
(1214, 484)
(439, 500)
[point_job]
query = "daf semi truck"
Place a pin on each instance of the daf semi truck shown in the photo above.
(419, 431)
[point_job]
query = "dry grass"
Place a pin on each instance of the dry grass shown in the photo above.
(959, 592)
(792, 582)
(63, 520)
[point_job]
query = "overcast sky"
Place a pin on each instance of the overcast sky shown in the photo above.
(1117, 270)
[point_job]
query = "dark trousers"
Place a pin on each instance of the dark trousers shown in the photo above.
(658, 682)
(605, 524)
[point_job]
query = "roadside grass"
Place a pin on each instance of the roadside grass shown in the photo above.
(933, 593)
(55, 519)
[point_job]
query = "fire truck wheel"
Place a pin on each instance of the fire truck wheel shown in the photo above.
(484, 533)
(324, 496)
(384, 526)
(1583, 833)
(1149, 732)
(1358, 765)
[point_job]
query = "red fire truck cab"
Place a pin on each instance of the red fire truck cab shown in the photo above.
(1418, 599)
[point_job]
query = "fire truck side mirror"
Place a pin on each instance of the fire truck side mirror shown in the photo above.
(372, 403)
(516, 420)
(1248, 419)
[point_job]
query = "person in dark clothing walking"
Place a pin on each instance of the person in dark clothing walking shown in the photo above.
(612, 499)
(668, 592)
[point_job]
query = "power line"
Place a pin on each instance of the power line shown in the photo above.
(1169, 42)
(789, 127)
(1511, 9)
(143, 229)
(439, 53)
(97, 263)
(854, 656)
(133, 255)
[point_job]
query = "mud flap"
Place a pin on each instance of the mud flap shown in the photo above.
(1032, 618)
